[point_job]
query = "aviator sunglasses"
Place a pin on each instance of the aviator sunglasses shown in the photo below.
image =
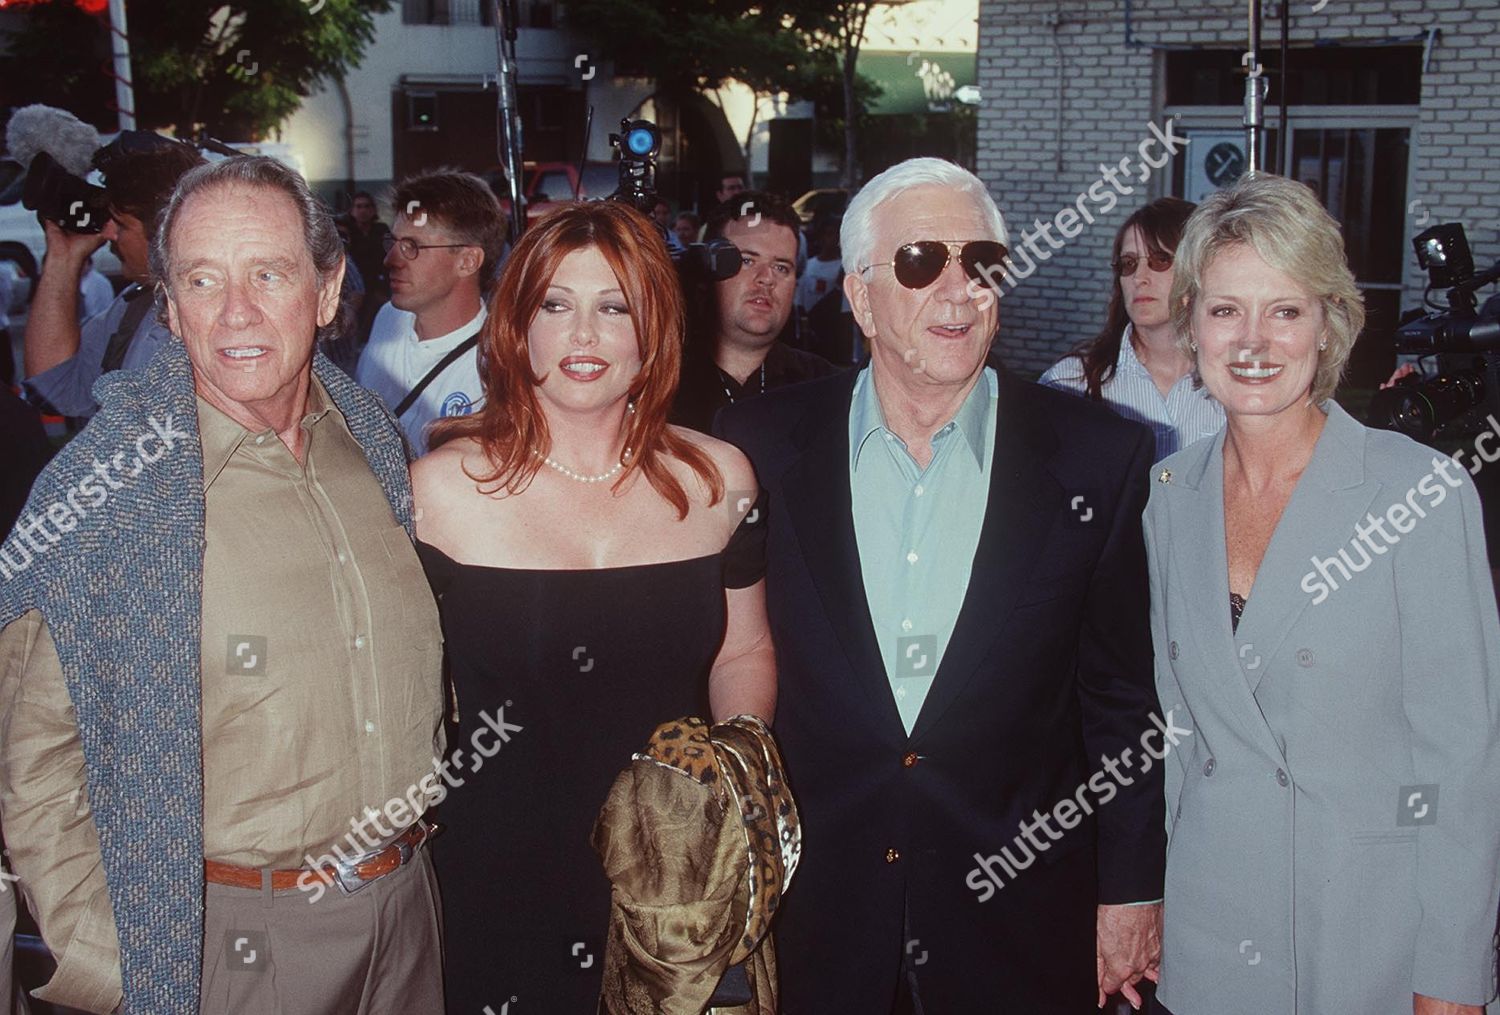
(918, 265)
(1157, 260)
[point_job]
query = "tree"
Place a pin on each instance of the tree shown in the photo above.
(837, 28)
(238, 68)
(688, 46)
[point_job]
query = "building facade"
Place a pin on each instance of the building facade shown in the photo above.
(425, 96)
(1394, 108)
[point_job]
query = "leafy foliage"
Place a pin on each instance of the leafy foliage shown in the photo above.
(237, 69)
(690, 45)
(806, 48)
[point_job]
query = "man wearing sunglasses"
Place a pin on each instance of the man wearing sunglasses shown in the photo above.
(957, 587)
(441, 256)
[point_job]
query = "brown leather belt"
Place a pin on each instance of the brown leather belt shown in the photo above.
(349, 877)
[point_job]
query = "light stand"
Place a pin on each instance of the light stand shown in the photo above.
(508, 118)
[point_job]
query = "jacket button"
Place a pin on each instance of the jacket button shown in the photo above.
(1304, 657)
(1208, 767)
(1172, 650)
(1281, 777)
(910, 759)
(892, 855)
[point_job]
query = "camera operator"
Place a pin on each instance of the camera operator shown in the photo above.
(64, 359)
(733, 352)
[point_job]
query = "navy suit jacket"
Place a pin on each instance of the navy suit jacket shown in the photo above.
(1049, 670)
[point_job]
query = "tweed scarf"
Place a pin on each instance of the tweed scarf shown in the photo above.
(122, 594)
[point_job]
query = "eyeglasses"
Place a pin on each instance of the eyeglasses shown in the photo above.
(410, 248)
(918, 265)
(1157, 260)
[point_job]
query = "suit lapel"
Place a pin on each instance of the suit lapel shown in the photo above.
(1201, 569)
(1020, 512)
(820, 506)
(1329, 500)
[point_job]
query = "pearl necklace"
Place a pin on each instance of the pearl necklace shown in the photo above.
(578, 476)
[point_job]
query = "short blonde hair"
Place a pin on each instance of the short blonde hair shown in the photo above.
(1284, 222)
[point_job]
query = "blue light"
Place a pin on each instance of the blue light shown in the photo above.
(640, 141)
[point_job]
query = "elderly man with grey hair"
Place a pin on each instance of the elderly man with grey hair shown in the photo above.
(219, 657)
(957, 585)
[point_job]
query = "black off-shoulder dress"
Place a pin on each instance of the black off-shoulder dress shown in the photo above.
(585, 664)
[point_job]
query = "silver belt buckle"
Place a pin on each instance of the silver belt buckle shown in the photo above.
(346, 873)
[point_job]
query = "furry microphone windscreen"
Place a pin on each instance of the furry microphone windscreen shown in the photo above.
(58, 132)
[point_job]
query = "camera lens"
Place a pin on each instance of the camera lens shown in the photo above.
(640, 141)
(1419, 410)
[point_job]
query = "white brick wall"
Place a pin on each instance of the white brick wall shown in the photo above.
(1111, 90)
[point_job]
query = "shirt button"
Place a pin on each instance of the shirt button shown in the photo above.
(369, 725)
(1172, 650)
(260, 439)
(911, 557)
(342, 558)
(906, 625)
(892, 855)
(910, 759)
(1208, 768)
(1304, 658)
(359, 641)
(919, 490)
(1281, 777)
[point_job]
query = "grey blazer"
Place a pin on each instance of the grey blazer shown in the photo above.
(1334, 816)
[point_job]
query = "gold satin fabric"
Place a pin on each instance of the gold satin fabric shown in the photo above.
(699, 837)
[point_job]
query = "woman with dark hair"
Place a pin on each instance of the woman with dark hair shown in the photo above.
(1135, 363)
(599, 571)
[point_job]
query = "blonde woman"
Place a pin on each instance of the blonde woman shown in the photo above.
(1324, 622)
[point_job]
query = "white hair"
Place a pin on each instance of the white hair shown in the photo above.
(857, 234)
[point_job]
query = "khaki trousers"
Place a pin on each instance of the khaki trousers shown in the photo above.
(375, 952)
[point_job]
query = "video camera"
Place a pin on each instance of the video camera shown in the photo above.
(58, 152)
(638, 144)
(1462, 335)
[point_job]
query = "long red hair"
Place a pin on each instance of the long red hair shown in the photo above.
(511, 428)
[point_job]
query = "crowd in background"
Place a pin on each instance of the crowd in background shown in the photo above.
(578, 493)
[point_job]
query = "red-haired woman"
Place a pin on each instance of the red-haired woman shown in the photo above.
(1135, 364)
(599, 572)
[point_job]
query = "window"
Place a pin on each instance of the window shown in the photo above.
(445, 12)
(421, 111)
(539, 14)
(529, 13)
(1325, 76)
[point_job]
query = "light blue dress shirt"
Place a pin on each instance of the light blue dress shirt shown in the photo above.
(917, 530)
(1182, 416)
(68, 387)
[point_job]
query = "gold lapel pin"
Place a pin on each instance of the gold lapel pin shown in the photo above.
(1165, 476)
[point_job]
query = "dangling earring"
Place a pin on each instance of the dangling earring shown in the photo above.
(1193, 346)
(1323, 346)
